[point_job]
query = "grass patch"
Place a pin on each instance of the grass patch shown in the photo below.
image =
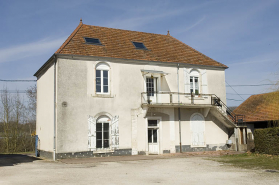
(251, 161)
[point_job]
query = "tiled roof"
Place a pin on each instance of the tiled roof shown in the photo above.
(117, 43)
(260, 107)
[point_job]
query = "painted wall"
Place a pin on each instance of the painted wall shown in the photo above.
(215, 132)
(45, 110)
(216, 83)
(76, 100)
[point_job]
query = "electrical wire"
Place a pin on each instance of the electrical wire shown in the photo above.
(234, 90)
(249, 85)
(18, 80)
(234, 99)
(241, 94)
(12, 91)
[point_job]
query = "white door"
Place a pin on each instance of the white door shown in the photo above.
(153, 137)
(153, 145)
(198, 128)
(151, 89)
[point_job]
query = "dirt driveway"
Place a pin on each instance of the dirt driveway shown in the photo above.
(164, 169)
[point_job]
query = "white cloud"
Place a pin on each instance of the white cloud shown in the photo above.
(135, 18)
(190, 27)
(19, 52)
(267, 58)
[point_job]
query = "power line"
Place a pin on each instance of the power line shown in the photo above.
(234, 90)
(249, 85)
(233, 99)
(241, 94)
(13, 91)
(18, 80)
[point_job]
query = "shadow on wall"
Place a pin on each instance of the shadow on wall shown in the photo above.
(212, 118)
(14, 159)
(150, 114)
(164, 85)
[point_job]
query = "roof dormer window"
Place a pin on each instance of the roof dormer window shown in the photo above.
(139, 45)
(92, 41)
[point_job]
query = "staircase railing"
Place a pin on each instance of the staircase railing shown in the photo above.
(236, 118)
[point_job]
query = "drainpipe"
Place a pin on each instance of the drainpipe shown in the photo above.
(179, 109)
(54, 113)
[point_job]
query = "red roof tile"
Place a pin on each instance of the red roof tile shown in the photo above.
(117, 43)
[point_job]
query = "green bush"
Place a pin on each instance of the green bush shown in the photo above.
(267, 141)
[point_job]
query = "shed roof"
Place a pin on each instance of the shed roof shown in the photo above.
(260, 107)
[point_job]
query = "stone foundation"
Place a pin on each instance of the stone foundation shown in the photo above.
(86, 154)
(188, 148)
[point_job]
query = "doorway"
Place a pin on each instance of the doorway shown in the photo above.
(153, 136)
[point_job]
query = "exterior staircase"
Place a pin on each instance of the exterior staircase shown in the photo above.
(224, 114)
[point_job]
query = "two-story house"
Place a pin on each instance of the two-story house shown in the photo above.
(109, 92)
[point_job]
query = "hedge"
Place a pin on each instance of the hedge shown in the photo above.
(267, 141)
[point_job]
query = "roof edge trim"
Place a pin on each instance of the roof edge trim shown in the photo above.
(127, 61)
(223, 65)
(46, 64)
(69, 38)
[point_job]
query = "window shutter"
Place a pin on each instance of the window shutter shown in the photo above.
(204, 81)
(115, 133)
(91, 133)
(187, 80)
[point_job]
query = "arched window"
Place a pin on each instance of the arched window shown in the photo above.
(194, 82)
(102, 78)
(102, 132)
(197, 125)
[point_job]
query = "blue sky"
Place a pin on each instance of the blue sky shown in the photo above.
(243, 35)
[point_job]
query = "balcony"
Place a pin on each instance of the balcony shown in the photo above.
(187, 100)
(155, 99)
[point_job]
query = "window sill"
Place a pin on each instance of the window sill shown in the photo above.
(102, 95)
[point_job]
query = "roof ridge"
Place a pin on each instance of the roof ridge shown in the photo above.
(70, 37)
(124, 29)
(264, 93)
(197, 51)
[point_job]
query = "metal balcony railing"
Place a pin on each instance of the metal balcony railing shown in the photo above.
(182, 99)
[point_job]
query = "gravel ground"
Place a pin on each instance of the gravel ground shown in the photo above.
(164, 169)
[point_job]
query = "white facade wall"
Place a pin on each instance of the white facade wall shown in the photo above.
(45, 110)
(76, 100)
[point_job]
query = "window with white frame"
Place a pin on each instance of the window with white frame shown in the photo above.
(102, 79)
(102, 133)
(194, 82)
(151, 85)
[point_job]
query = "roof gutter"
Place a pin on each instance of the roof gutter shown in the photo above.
(54, 112)
(46, 65)
(132, 61)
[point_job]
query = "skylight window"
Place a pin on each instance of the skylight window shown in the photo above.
(139, 45)
(92, 41)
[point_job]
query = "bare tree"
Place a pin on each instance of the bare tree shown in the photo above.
(32, 106)
(6, 115)
(19, 117)
(17, 121)
(32, 101)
